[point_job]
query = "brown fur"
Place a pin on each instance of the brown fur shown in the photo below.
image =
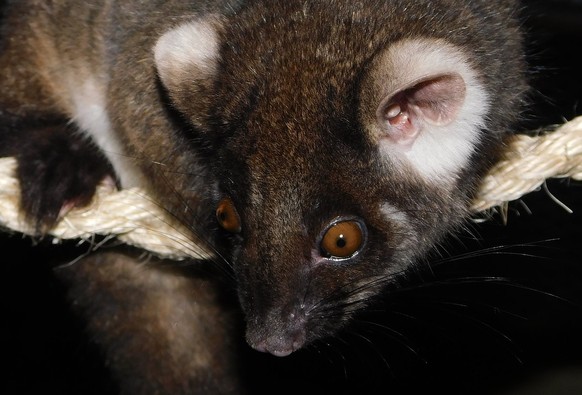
(278, 125)
(162, 329)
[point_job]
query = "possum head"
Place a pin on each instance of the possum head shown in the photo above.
(338, 163)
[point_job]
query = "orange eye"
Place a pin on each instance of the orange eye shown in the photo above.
(227, 216)
(343, 239)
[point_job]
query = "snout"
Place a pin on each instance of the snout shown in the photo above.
(279, 333)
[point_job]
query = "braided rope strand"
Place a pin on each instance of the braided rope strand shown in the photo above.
(128, 214)
(530, 161)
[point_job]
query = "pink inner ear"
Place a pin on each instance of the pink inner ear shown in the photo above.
(435, 101)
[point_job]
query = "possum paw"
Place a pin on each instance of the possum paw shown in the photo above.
(58, 170)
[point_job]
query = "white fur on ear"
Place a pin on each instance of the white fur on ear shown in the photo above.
(188, 52)
(430, 107)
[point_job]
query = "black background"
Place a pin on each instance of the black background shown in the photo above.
(503, 316)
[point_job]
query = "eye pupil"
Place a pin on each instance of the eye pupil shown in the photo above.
(341, 241)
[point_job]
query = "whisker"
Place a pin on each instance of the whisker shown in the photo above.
(497, 250)
(336, 352)
(499, 281)
(374, 349)
(494, 308)
(506, 341)
(395, 335)
(92, 247)
(345, 294)
(219, 260)
(434, 327)
(348, 299)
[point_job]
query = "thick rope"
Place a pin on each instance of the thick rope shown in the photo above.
(529, 162)
(133, 217)
(128, 214)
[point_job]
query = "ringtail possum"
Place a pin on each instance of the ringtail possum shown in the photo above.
(320, 149)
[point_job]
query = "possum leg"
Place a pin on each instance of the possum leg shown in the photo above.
(58, 169)
(163, 330)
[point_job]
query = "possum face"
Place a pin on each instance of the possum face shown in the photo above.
(338, 164)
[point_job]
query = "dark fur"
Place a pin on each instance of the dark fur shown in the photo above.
(145, 317)
(282, 113)
(45, 157)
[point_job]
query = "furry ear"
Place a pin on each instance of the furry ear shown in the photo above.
(435, 100)
(186, 58)
(428, 107)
